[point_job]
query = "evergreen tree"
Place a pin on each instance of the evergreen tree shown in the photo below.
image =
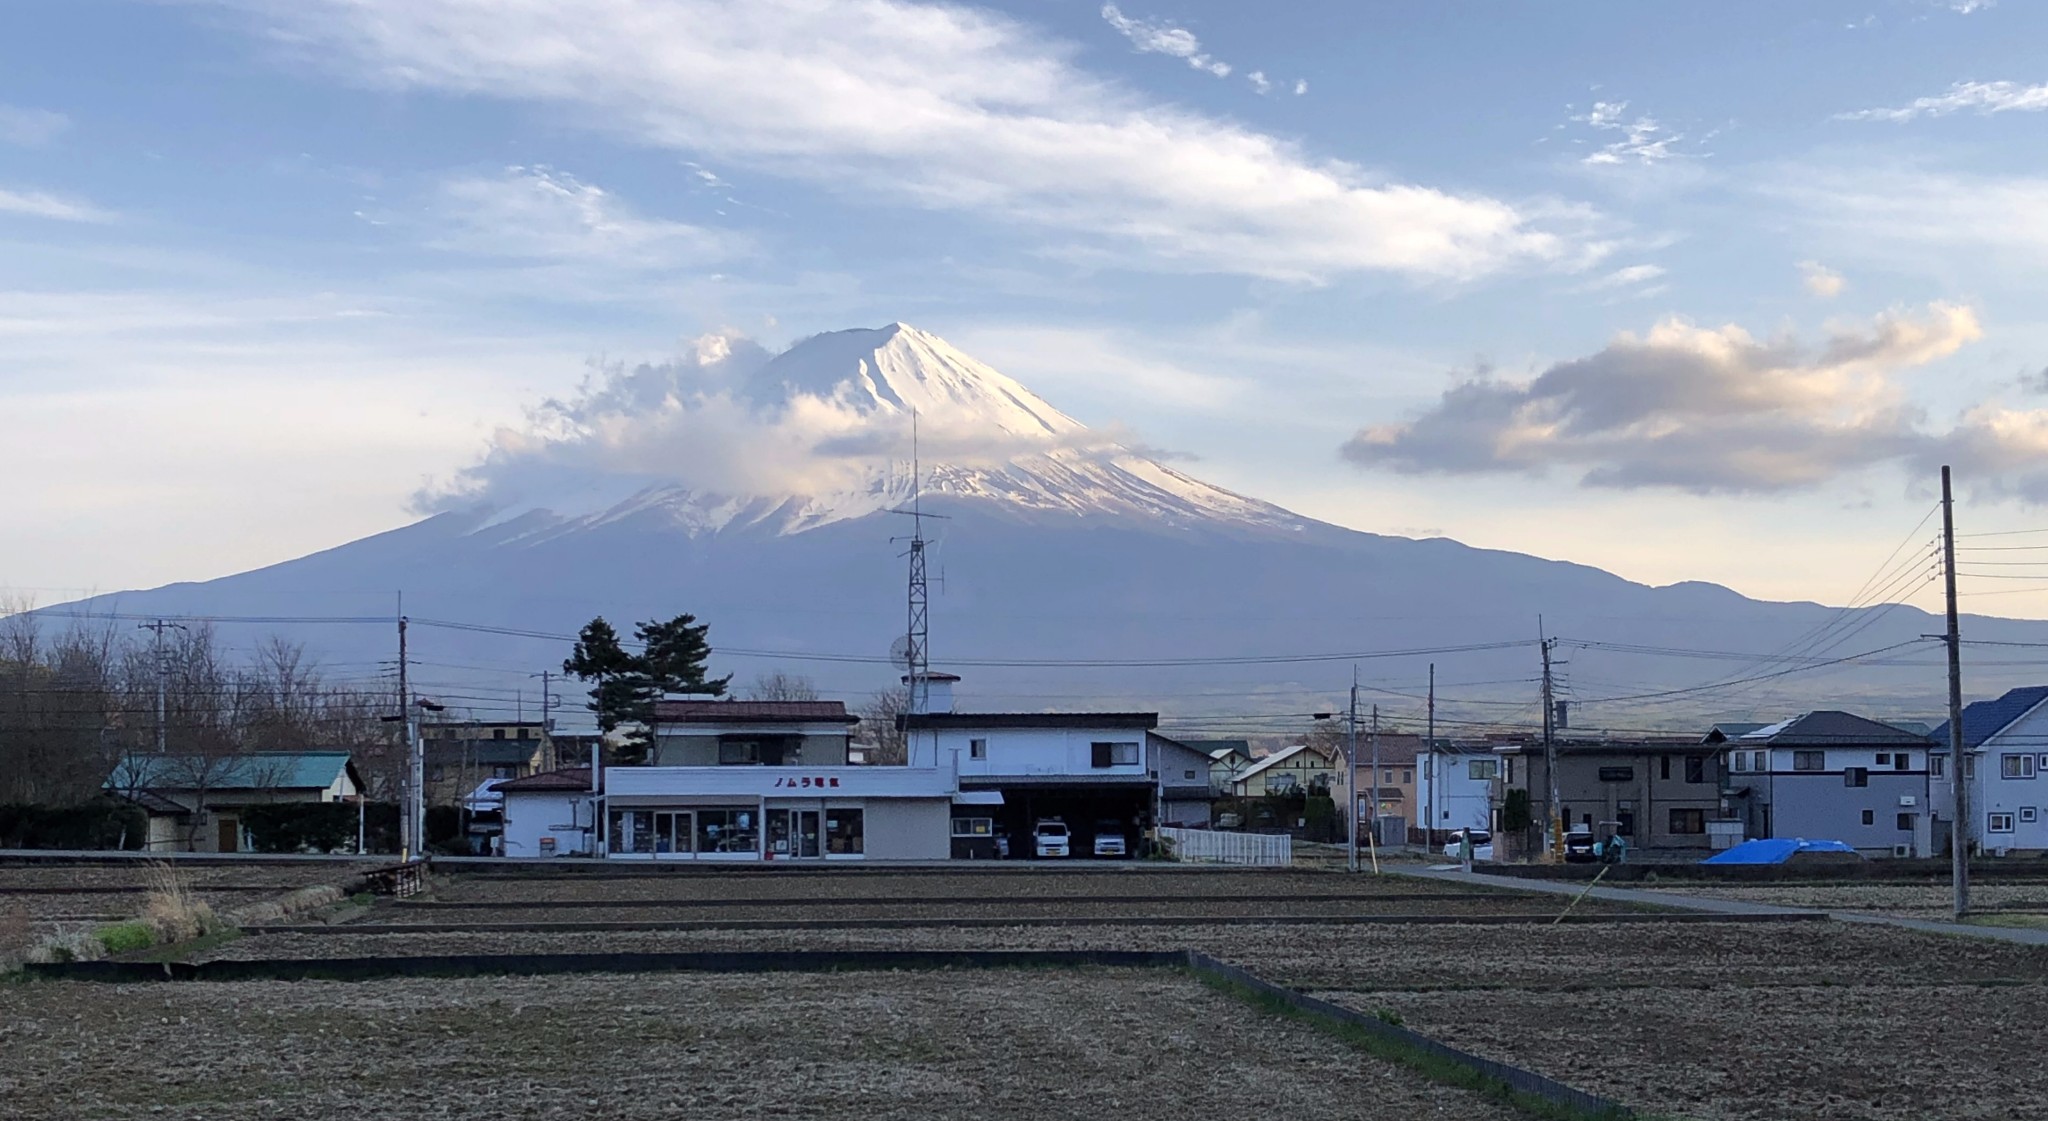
(625, 685)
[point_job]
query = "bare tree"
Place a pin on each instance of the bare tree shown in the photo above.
(880, 716)
(780, 686)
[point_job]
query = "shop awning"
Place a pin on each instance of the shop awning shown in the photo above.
(978, 798)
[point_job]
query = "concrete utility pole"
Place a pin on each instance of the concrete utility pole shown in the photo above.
(162, 671)
(547, 704)
(1351, 781)
(1554, 822)
(1375, 784)
(1959, 833)
(1429, 745)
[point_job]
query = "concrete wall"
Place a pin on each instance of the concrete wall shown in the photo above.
(1188, 811)
(1031, 751)
(533, 815)
(909, 829)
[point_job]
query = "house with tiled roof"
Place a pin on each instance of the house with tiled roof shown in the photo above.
(2005, 751)
(195, 801)
(1835, 776)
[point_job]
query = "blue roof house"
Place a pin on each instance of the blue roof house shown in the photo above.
(2005, 752)
(195, 801)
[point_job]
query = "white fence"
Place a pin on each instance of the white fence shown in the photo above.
(1202, 846)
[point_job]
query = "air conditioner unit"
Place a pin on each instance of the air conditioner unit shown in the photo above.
(1909, 799)
(1902, 850)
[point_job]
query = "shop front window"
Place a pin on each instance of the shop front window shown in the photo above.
(728, 831)
(844, 833)
(632, 831)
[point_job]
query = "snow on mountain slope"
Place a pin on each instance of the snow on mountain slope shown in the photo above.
(981, 437)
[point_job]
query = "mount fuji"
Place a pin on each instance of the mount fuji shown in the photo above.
(1069, 568)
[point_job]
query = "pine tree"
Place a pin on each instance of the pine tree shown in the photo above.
(625, 686)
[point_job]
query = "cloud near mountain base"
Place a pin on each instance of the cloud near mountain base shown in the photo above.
(1716, 410)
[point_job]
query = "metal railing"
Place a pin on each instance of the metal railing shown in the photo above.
(1203, 846)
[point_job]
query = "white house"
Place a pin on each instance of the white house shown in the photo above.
(553, 813)
(1455, 782)
(1094, 771)
(2006, 744)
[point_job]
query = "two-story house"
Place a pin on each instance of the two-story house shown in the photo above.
(1455, 783)
(1656, 793)
(1834, 776)
(463, 756)
(2005, 748)
(766, 780)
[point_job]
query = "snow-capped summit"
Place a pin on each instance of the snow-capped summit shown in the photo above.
(829, 425)
(899, 369)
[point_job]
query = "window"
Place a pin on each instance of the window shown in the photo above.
(1901, 761)
(1809, 760)
(1617, 774)
(1739, 761)
(1884, 759)
(1998, 823)
(2016, 766)
(1936, 764)
(1664, 767)
(497, 733)
(1114, 754)
(526, 733)
(738, 752)
(1481, 770)
(1695, 768)
(1969, 766)
(436, 773)
(728, 830)
(2027, 813)
(1511, 772)
(1688, 822)
(977, 749)
(2043, 762)
(1856, 776)
(843, 833)
(1408, 774)
(1761, 764)
(1870, 817)
(1905, 823)
(973, 826)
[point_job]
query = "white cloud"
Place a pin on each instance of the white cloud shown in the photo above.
(1260, 84)
(30, 126)
(942, 107)
(1821, 280)
(1984, 97)
(41, 204)
(1300, 86)
(1968, 7)
(1882, 209)
(1643, 140)
(1154, 37)
(1633, 274)
(1698, 409)
(545, 214)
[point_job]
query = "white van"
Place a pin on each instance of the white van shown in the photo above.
(1051, 838)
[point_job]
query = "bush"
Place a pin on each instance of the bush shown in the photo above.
(104, 823)
(120, 938)
(320, 826)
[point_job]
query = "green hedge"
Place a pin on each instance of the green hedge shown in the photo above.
(319, 826)
(100, 824)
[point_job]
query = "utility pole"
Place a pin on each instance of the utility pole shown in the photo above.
(1959, 834)
(1375, 785)
(162, 670)
(411, 841)
(1554, 824)
(1351, 780)
(547, 705)
(1435, 779)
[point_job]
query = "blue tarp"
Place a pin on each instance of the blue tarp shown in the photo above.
(1775, 851)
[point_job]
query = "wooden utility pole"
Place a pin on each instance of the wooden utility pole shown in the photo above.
(1375, 783)
(1351, 780)
(1959, 774)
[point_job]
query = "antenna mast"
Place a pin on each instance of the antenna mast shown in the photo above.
(918, 651)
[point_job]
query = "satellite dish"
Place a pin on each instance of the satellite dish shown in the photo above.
(899, 653)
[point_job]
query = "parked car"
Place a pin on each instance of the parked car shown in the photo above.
(1050, 838)
(1482, 845)
(1580, 847)
(1109, 838)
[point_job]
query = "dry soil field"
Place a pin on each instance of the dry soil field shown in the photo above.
(1141, 1045)
(1714, 1021)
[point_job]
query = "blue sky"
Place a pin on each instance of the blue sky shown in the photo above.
(1688, 291)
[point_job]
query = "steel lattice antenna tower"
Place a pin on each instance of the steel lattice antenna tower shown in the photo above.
(917, 634)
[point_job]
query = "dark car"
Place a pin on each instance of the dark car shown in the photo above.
(1578, 847)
